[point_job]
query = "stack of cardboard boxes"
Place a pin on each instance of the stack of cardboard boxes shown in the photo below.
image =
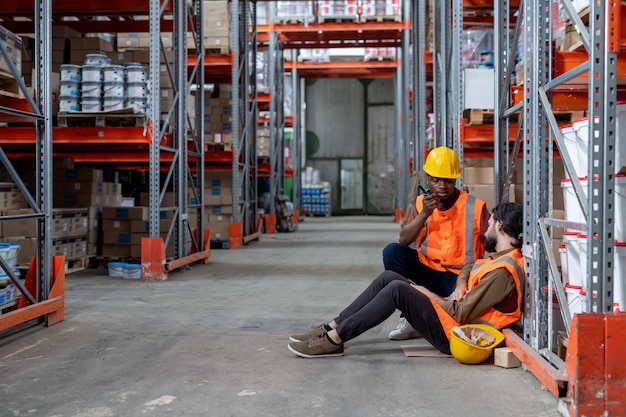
(218, 204)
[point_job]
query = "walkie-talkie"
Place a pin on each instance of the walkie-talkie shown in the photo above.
(422, 190)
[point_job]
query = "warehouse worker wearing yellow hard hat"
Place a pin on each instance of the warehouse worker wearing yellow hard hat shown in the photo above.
(447, 226)
(492, 294)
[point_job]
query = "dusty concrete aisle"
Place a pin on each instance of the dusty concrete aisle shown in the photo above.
(212, 341)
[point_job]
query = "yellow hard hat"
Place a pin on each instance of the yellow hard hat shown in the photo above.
(442, 162)
(484, 338)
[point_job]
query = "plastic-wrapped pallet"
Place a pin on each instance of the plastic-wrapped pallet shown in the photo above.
(297, 11)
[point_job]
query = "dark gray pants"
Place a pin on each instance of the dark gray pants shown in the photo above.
(388, 292)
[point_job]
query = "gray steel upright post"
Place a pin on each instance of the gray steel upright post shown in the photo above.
(537, 170)
(154, 189)
(601, 159)
(419, 85)
(43, 25)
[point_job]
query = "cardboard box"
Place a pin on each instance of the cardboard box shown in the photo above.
(221, 209)
(479, 88)
(116, 225)
(143, 226)
(486, 192)
(92, 174)
(90, 45)
(116, 251)
(77, 200)
(478, 175)
(219, 230)
(130, 213)
(81, 187)
(116, 238)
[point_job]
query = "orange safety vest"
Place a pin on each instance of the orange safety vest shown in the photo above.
(514, 263)
(451, 239)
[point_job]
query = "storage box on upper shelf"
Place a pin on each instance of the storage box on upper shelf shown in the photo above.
(13, 46)
(479, 88)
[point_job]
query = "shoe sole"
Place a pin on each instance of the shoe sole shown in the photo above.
(404, 337)
(304, 355)
(293, 339)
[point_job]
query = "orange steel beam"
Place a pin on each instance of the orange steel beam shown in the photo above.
(554, 380)
(94, 26)
(251, 237)
(80, 135)
(83, 8)
(203, 256)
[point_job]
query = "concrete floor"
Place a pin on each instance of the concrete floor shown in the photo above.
(212, 341)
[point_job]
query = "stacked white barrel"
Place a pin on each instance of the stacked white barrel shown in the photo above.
(574, 273)
(113, 87)
(69, 94)
(97, 85)
(136, 87)
(92, 82)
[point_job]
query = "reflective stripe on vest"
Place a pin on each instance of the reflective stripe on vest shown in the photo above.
(514, 263)
(438, 247)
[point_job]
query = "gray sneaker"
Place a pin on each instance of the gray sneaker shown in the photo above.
(316, 347)
(315, 331)
(403, 331)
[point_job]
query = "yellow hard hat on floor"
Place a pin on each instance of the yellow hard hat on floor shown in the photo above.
(472, 344)
(442, 162)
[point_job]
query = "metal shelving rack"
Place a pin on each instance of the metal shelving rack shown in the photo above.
(164, 150)
(277, 120)
(47, 302)
(538, 134)
(244, 121)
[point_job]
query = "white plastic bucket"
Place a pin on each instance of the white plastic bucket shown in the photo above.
(139, 103)
(67, 104)
(91, 74)
(581, 127)
(91, 104)
(70, 72)
(14, 249)
(116, 269)
(572, 254)
(136, 90)
(572, 292)
(573, 210)
(136, 74)
(69, 89)
(91, 90)
(569, 137)
(113, 103)
(582, 254)
(113, 73)
(113, 89)
(132, 271)
(4, 253)
(563, 255)
(620, 207)
(99, 60)
(619, 277)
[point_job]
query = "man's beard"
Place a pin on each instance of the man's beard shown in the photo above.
(490, 243)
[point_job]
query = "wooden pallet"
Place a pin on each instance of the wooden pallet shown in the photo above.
(388, 18)
(78, 264)
(117, 118)
(9, 87)
(338, 19)
(294, 20)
